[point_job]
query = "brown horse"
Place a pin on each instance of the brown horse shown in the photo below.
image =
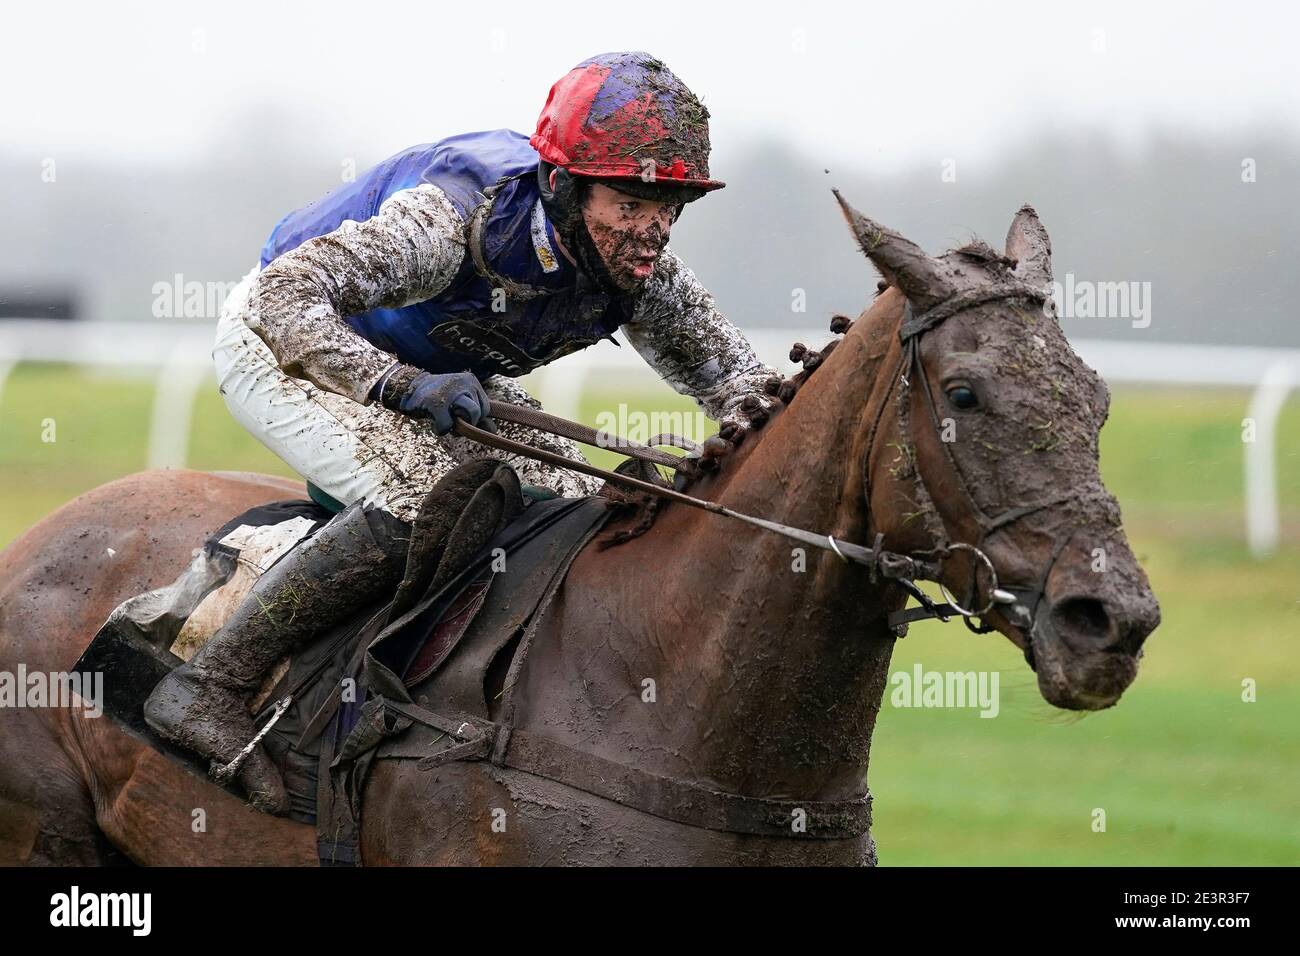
(976, 425)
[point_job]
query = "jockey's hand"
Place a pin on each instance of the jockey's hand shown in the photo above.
(441, 398)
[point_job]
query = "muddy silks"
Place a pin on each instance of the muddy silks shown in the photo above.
(516, 302)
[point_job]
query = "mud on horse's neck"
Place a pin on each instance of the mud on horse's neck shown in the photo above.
(795, 638)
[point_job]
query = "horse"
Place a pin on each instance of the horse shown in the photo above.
(950, 421)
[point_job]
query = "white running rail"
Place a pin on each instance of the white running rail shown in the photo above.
(180, 356)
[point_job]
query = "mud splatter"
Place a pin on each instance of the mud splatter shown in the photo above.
(408, 252)
(625, 246)
(658, 120)
(680, 332)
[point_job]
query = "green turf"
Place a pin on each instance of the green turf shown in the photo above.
(1185, 775)
(1186, 772)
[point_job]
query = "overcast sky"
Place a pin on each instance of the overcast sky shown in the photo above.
(880, 85)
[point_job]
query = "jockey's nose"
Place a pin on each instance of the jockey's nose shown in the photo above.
(658, 229)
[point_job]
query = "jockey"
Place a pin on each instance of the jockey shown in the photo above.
(419, 293)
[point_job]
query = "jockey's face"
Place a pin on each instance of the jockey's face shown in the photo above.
(629, 233)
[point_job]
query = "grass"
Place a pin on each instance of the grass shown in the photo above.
(1185, 770)
(1185, 776)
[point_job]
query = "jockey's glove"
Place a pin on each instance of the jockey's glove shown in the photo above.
(440, 398)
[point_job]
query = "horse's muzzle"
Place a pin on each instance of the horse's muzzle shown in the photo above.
(1087, 646)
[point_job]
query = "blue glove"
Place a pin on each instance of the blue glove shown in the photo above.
(441, 398)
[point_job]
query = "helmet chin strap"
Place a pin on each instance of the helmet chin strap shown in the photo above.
(592, 263)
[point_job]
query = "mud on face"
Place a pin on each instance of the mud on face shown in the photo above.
(629, 233)
(1025, 415)
(1001, 454)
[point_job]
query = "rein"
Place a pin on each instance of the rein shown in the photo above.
(904, 570)
(900, 568)
(1019, 603)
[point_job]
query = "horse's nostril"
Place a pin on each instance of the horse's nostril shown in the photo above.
(1084, 618)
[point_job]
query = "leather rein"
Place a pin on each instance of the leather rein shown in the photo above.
(1018, 602)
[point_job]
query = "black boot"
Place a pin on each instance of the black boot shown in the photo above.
(203, 705)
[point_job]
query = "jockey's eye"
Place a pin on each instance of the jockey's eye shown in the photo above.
(629, 208)
(962, 397)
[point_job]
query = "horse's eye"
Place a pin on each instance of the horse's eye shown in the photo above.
(962, 397)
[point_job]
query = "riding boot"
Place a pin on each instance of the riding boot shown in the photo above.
(203, 705)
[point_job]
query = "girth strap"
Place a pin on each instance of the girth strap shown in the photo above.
(476, 738)
(670, 798)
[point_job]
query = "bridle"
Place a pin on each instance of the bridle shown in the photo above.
(1017, 602)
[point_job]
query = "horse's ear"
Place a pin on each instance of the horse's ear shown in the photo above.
(901, 261)
(1031, 247)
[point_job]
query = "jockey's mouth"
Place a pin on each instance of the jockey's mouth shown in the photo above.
(629, 260)
(644, 265)
(642, 251)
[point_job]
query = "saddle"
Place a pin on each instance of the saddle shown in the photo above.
(475, 577)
